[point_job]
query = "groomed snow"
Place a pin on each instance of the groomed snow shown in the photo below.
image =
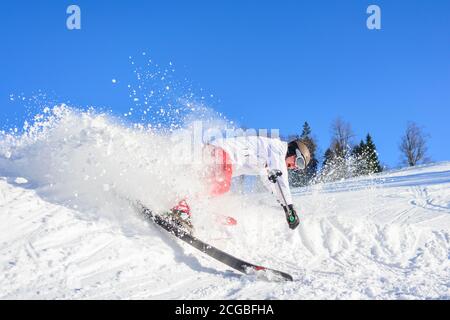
(65, 234)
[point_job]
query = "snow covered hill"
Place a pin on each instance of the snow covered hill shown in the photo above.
(64, 233)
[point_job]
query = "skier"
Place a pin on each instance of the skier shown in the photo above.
(268, 158)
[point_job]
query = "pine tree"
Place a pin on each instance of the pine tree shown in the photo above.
(373, 163)
(358, 154)
(328, 157)
(358, 150)
(366, 157)
(306, 130)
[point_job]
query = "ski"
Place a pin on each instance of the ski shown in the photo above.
(219, 255)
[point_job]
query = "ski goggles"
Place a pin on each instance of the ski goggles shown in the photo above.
(300, 160)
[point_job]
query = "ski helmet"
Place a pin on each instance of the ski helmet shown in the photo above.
(300, 150)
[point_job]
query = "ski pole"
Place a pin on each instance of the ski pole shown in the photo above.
(273, 177)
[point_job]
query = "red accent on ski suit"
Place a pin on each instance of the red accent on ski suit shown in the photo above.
(219, 171)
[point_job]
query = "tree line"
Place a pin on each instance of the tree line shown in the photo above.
(344, 159)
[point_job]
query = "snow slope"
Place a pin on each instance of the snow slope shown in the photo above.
(65, 233)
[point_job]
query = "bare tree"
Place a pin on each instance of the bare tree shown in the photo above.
(339, 162)
(342, 135)
(413, 145)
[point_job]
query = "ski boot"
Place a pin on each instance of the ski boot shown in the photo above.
(180, 216)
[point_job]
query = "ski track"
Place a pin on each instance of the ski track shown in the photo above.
(381, 237)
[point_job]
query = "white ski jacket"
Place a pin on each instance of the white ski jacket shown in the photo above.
(256, 156)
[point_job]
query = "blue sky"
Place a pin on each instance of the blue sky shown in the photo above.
(269, 64)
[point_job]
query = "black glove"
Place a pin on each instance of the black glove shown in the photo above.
(291, 216)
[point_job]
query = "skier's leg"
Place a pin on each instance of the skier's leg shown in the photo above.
(220, 172)
(219, 180)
